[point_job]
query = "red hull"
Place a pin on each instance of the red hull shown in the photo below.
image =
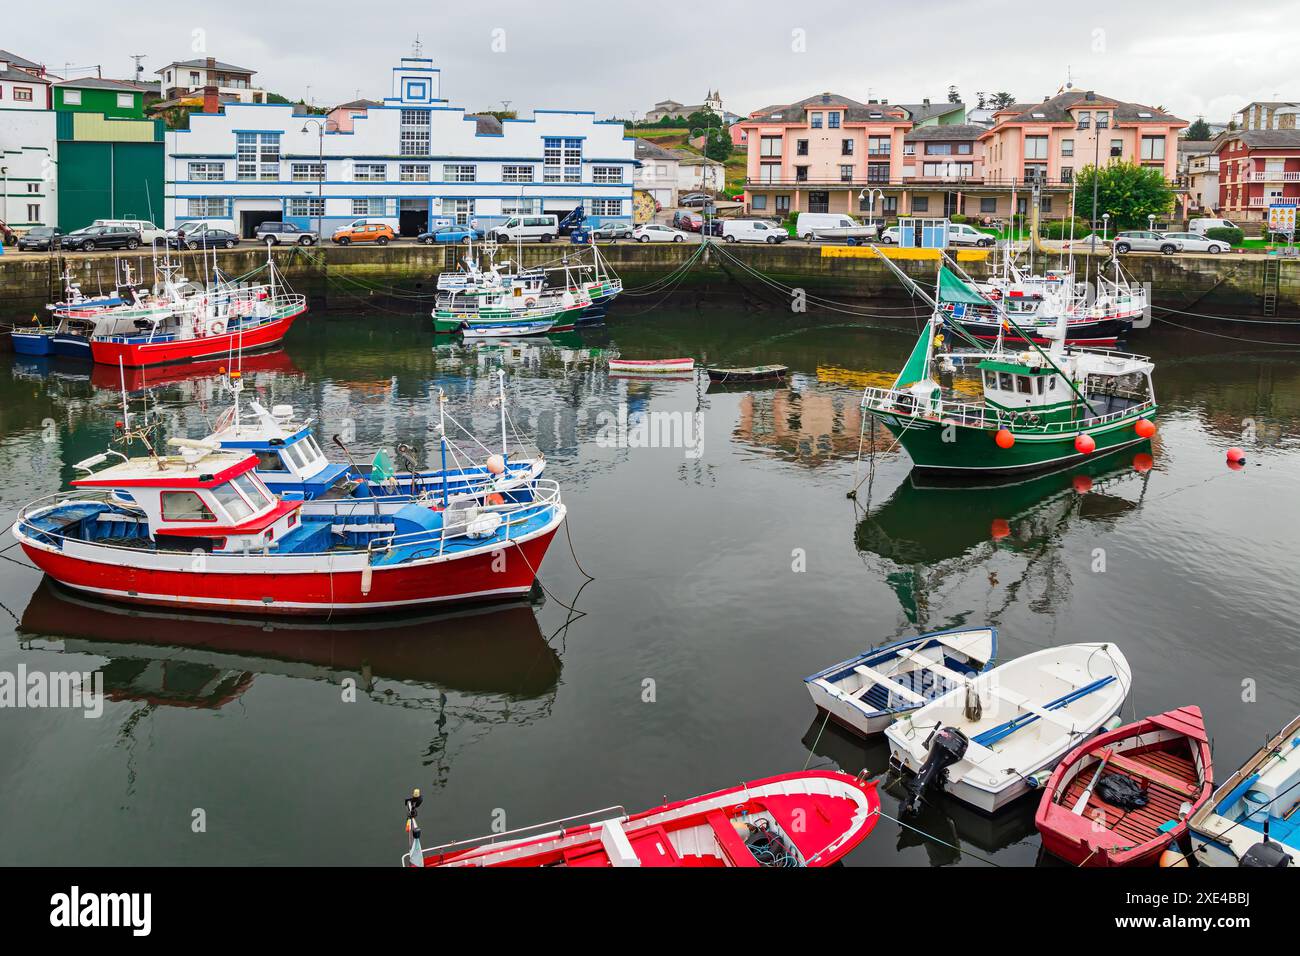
(139, 354)
(469, 578)
(1127, 838)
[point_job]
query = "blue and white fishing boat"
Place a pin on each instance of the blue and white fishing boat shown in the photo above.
(997, 738)
(868, 692)
(292, 465)
(47, 338)
(1253, 819)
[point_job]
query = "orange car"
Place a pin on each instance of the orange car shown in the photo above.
(376, 232)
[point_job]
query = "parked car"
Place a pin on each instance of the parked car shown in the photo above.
(450, 234)
(892, 235)
(752, 230)
(714, 227)
(210, 239)
(147, 230)
(1195, 242)
(40, 238)
(1143, 241)
(1201, 226)
(695, 199)
(190, 226)
(381, 234)
(960, 234)
(831, 225)
(543, 228)
(657, 232)
(688, 221)
(612, 230)
(278, 232)
(90, 238)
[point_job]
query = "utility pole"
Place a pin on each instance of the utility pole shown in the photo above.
(139, 67)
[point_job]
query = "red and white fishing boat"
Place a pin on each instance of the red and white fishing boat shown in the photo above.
(810, 818)
(200, 530)
(652, 366)
(1166, 757)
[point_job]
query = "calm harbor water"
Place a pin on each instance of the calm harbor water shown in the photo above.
(681, 670)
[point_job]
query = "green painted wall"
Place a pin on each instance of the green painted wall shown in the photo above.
(99, 101)
(109, 181)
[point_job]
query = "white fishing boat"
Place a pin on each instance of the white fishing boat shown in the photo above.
(998, 737)
(868, 692)
(1253, 819)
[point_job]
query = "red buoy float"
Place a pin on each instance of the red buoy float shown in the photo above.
(1004, 438)
(1084, 444)
(1145, 427)
(1082, 484)
(1142, 462)
(1236, 456)
(1000, 529)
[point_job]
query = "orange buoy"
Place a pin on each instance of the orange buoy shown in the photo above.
(496, 464)
(1236, 456)
(1085, 444)
(495, 499)
(1145, 427)
(1082, 484)
(1000, 529)
(1142, 462)
(1004, 438)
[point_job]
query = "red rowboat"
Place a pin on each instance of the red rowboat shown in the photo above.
(810, 818)
(1168, 756)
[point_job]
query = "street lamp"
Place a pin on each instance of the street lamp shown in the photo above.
(1100, 122)
(870, 194)
(1105, 222)
(320, 172)
(1151, 222)
(708, 170)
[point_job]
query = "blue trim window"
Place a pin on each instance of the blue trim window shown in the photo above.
(461, 210)
(414, 172)
(416, 133)
(257, 156)
(368, 207)
(517, 174)
(310, 208)
(370, 172)
(607, 174)
(607, 207)
(460, 173)
(307, 172)
(758, 202)
(207, 172)
(521, 207)
(562, 159)
(833, 120)
(816, 120)
(208, 207)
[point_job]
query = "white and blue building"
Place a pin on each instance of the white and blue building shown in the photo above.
(412, 161)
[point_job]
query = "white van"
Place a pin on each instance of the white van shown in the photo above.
(543, 228)
(831, 225)
(752, 230)
(1199, 226)
(148, 231)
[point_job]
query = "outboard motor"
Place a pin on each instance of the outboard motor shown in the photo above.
(1266, 854)
(946, 746)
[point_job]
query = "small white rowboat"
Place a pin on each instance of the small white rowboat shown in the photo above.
(652, 365)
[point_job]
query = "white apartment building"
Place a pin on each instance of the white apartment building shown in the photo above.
(410, 162)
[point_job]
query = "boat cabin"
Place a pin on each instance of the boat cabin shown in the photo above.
(1110, 382)
(193, 501)
(289, 460)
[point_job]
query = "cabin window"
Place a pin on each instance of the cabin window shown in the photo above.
(269, 461)
(1051, 385)
(1040, 386)
(1024, 385)
(1004, 381)
(233, 502)
(185, 506)
(990, 379)
(252, 490)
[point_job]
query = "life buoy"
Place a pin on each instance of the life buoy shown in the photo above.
(217, 327)
(495, 499)
(529, 303)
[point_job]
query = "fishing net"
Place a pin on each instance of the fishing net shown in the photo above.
(1120, 791)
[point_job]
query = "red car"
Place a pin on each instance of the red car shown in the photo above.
(690, 221)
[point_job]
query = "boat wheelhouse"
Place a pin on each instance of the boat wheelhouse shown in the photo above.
(201, 530)
(1037, 408)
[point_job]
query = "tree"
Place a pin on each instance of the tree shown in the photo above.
(1127, 191)
(1198, 130)
(953, 95)
(1002, 101)
(719, 144)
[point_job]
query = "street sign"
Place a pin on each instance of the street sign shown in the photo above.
(1282, 218)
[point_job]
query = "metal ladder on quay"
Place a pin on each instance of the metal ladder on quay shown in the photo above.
(1272, 284)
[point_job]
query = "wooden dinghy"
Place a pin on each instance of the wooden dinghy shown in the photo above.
(753, 373)
(652, 366)
(995, 739)
(1253, 819)
(809, 818)
(868, 692)
(1166, 756)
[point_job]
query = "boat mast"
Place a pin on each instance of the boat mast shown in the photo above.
(442, 441)
(501, 386)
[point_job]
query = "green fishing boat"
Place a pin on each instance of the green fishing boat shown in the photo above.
(1038, 408)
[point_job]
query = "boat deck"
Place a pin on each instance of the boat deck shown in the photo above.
(1142, 824)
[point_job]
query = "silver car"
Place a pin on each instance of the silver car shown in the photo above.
(1141, 241)
(1195, 242)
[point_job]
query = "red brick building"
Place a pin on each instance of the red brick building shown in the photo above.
(1257, 169)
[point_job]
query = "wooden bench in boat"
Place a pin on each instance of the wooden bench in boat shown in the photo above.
(733, 847)
(890, 685)
(934, 666)
(1138, 769)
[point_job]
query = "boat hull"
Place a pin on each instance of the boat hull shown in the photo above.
(32, 343)
(481, 576)
(72, 346)
(137, 354)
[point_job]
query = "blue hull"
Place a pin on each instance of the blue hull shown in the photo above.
(33, 343)
(73, 346)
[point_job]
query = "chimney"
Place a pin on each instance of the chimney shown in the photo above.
(211, 102)
(211, 63)
(926, 101)
(1090, 95)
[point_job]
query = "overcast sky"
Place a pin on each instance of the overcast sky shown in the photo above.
(1193, 57)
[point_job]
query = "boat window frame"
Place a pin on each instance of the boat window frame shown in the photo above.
(1005, 382)
(260, 488)
(253, 512)
(207, 507)
(270, 453)
(1024, 385)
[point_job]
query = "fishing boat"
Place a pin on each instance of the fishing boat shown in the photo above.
(200, 530)
(1253, 819)
(812, 818)
(652, 366)
(230, 315)
(42, 338)
(868, 692)
(1037, 408)
(751, 373)
(292, 465)
(996, 738)
(1123, 797)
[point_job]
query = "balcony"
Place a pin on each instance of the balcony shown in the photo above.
(1265, 176)
(977, 181)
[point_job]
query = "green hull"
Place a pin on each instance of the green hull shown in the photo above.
(452, 321)
(970, 450)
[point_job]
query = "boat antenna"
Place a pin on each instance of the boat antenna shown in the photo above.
(415, 854)
(442, 442)
(501, 395)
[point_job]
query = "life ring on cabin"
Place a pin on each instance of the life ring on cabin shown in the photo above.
(530, 303)
(995, 294)
(217, 327)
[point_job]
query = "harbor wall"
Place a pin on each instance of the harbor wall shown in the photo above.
(398, 277)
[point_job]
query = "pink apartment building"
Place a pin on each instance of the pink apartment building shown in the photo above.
(798, 161)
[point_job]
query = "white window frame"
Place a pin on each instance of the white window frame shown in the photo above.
(125, 101)
(607, 174)
(371, 206)
(607, 207)
(413, 173)
(516, 173)
(206, 172)
(306, 207)
(313, 172)
(72, 97)
(459, 173)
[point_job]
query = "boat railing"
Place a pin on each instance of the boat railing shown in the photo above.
(558, 827)
(974, 415)
(458, 522)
